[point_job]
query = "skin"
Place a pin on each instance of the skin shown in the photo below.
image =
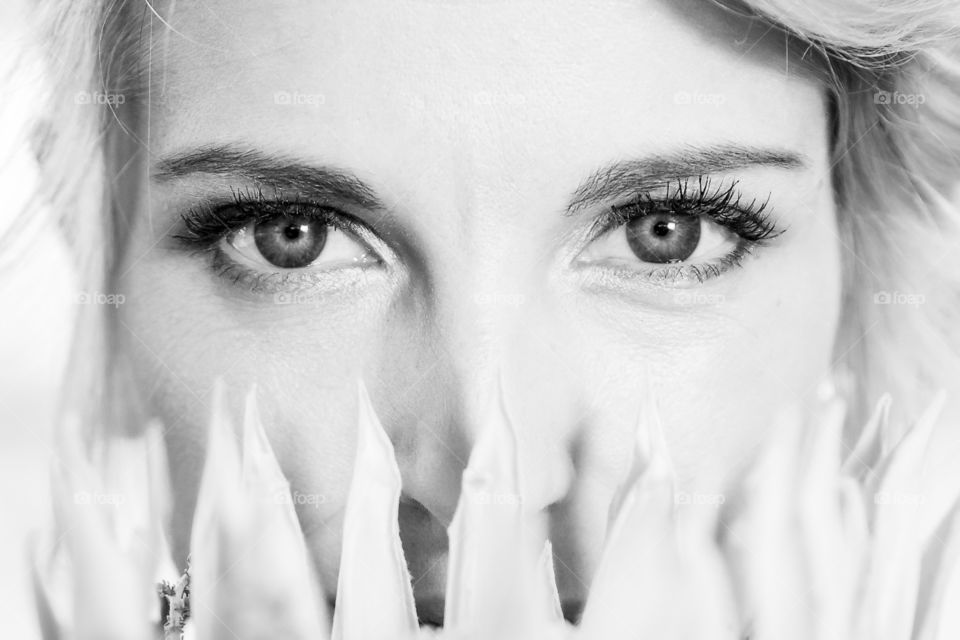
(474, 122)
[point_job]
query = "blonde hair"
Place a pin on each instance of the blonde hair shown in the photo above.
(895, 164)
(895, 67)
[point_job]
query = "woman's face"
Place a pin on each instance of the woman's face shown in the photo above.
(577, 198)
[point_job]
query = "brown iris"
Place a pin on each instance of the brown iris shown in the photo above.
(663, 237)
(290, 241)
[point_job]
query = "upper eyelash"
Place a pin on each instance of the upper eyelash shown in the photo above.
(725, 205)
(205, 225)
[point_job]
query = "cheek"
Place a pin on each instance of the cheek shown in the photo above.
(182, 334)
(722, 367)
(726, 361)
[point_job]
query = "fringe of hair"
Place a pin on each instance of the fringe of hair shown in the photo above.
(896, 165)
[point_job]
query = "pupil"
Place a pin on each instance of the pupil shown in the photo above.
(663, 237)
(290, 242)
(664, 228)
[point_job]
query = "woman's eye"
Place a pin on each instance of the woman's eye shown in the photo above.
(663, 238)
(289, 241)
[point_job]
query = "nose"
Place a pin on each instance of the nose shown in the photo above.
(477, 315)
(470, 349)
(475, 344)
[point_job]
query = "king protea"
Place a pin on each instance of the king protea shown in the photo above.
(813, 542)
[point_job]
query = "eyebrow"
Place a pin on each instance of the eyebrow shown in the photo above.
(283, 174)
(653, 172)
(275, 172)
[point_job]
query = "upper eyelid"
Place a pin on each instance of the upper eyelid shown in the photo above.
(750, 222)
(695, 187)
(725, 196)
(205, 224)
(268, 208)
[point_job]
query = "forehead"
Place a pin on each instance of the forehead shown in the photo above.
(506, 83)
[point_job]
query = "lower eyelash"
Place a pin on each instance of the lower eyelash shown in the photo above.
(700, 273)
(293, 286)
(237, 274)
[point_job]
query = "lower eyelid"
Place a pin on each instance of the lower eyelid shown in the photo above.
(666, 276)
(295, 286)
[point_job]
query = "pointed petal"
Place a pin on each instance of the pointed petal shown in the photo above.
(833, 581)
(763, 543)
(374, 594)
(648, 423)
(856, 532)
(108, 586)
(709, 582)
(50, 582)
(135, 472)
(865, 452)
(896, 550)
(486, 561)
(161, 504)
(216, 523)
(259, 468)
(250, 567)
(941, 620)
(548, 584)
(637, 590)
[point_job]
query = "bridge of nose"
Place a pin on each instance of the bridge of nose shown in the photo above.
(479, 305)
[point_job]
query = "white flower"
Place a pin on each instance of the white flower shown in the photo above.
(809, 544)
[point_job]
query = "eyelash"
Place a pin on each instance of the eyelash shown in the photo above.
(205, 226)
(697, 196)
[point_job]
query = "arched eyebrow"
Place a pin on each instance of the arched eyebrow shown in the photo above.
(270, 173)
(640, 175)
(285, 175)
